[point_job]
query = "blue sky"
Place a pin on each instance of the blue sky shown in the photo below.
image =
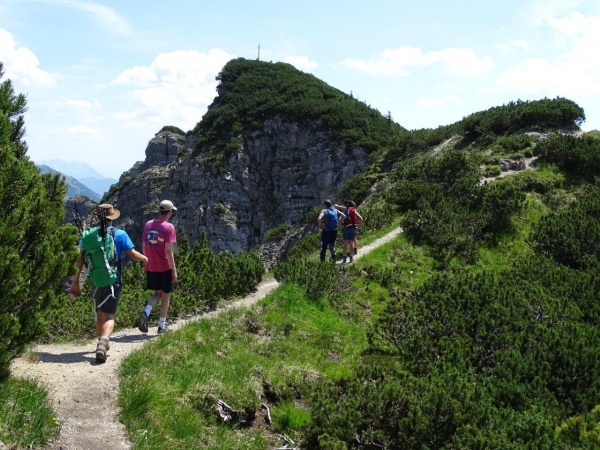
(102, 77)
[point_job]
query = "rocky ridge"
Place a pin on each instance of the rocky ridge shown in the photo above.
(274, 176)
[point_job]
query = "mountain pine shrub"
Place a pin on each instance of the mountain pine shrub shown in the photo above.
(447, 209)
(571, 235)
(574, 155)
(36, 251)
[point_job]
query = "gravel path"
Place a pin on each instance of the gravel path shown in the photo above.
(84, 393)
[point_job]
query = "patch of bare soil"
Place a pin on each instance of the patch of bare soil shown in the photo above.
(84, 392)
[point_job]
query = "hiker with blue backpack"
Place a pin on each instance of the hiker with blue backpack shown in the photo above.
(101, 248)
(328, 221)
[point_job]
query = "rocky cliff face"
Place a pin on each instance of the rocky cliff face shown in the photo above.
(274, 176)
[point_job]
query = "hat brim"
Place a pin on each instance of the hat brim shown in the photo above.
(115, 215)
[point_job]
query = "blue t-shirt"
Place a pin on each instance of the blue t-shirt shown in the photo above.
(123, 242)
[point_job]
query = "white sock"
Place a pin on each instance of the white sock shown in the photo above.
(148, 310)
(162, 322)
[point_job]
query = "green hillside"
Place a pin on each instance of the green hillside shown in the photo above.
(476, 328)
(251, 92)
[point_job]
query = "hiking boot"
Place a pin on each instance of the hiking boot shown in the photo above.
(101, 352)
(162, 330)
(356, 251)
(344, 260)
(351, 258)
(143, 322)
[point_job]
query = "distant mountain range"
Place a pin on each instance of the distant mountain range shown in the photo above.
(81, 178)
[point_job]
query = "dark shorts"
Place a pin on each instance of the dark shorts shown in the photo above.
(328, 237)
(160, 281)
(349, 233)
(106, 299)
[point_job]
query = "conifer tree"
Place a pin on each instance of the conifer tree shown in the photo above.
(35, 249)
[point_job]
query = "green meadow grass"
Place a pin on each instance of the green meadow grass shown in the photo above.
(270, 354)
(26, 416)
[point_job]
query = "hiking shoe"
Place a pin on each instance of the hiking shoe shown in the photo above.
(351, 258)
(143, 322)
(344, 260)
(356, 251)
(162, 330)
(101, 352)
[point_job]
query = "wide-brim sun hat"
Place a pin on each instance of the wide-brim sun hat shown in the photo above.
(112, 213)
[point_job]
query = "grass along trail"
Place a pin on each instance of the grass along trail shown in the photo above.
(84, 392)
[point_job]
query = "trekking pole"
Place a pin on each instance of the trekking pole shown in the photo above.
(102, 223)
(83, 275)
(78, 222)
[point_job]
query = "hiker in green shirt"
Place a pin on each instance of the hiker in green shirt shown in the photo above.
(105, 294)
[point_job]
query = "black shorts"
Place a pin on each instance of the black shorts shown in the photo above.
(349, 233)
(106, 299)
(160, 281)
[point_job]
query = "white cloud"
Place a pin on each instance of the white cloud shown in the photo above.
(136, 75)
(397, 61)
(301, 62)
(574, 71)
(543, 10)
(77, 132)
(106, 17)
(443, 101)
(517, 44)
(175, 88)
(129, 116)
(21, 65)
(461, 61)
(84, 110)
(81, 106)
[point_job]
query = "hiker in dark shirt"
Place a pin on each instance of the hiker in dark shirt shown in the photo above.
(328, 221)
(106, 299)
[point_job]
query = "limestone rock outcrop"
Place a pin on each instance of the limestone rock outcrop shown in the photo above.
(273, 176)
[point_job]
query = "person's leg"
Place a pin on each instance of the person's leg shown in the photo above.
(344, 243)
(167, 289)
(143, 319)
(332, 238)
(106, 303)
(153, 300)
(105, 324)
(323, 247)
(153, 283)
(164, 310)
(351, 236)
(164, 306)
(344, 253)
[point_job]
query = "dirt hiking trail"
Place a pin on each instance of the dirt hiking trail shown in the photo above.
(84, 393)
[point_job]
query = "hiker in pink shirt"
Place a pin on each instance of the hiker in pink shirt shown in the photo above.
(161, 274)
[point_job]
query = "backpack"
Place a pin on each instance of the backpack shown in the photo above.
(100, 256)
(330, 219)
(350, 217)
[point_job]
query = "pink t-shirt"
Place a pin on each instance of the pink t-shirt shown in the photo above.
(156, 234)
